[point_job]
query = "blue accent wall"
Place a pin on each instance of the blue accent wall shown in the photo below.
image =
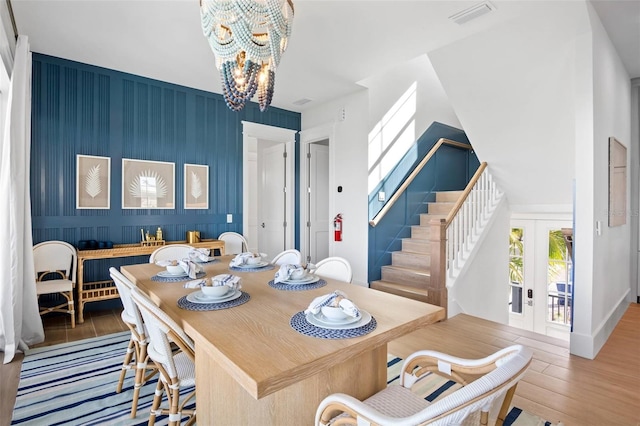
(84, 109)
(450, 169)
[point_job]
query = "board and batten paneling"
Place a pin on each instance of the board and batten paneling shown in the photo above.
(83, 109)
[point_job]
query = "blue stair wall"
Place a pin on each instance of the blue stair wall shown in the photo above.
(83, 109)
(450, 169)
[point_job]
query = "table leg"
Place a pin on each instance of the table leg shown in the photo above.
(220, 398)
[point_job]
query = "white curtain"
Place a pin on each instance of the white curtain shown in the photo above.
(20, 323)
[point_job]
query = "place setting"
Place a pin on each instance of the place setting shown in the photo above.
(295, 278)
(178, 270)
(220, 292)
(333, 316)
(202, 256)
(250, 262)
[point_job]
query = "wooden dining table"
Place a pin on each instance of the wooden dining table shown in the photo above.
(254, 368)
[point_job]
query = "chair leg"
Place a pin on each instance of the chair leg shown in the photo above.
(72, 312)
(157, 399)
(506, 403)
(126, 364)
(141, 368)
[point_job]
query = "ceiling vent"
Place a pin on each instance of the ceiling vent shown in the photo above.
(302, 101)
(472, 12)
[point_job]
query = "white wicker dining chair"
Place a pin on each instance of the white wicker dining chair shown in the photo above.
(136, 357)
(170, 252)
(486, 382)
(234, 243)
(335, 267)
(57, 260)
(176, 368)
(288, 257)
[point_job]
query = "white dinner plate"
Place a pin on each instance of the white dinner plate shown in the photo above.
(365, 318)
(198, 260)
(260, 264)
(167, 274)
(199, 297)
(309, 279)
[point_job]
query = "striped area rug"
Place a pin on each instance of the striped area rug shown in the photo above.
(74, 384)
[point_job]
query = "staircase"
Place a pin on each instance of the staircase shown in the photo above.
(409, 274)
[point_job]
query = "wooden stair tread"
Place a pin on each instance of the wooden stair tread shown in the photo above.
(404, 288)
(425, 272)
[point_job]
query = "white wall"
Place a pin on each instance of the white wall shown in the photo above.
(610, 285)
(634, 211)
(347, 168)
(482, 289)
(432, 103)
(512, 89)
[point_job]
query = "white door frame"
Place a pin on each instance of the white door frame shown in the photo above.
(257, 131)
(314, 134)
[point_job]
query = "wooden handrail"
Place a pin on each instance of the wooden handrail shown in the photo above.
(442, 141)
(465, 194)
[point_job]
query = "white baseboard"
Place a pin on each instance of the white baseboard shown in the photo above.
(588, 346)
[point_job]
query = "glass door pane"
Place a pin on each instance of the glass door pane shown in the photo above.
(516, 270)
(559, 279)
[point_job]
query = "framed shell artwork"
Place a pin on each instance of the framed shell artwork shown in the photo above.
(148, 184)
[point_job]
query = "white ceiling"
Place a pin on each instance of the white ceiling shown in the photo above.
(334, 45)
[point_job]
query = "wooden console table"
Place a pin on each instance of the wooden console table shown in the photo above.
(102, 290)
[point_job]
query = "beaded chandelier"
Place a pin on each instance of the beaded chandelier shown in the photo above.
(248, 38)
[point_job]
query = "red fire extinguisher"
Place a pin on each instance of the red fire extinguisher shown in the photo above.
(337, 227)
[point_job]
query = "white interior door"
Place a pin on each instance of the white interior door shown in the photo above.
(318, 201)
(273, 203)
(254, 137)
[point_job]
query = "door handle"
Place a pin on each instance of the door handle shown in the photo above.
(262, 224)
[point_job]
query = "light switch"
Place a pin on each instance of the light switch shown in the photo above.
(229, 218)
(381, 196)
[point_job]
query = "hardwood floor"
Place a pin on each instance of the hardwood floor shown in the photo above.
(557, 387)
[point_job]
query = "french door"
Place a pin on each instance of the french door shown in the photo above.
(540, 276)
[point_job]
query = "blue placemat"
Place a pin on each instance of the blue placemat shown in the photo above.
(297, 287)
(176, 279)
(262, 268)
(300, 324)
(190, 306)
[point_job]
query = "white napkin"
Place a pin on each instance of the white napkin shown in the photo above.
(285, 271)
(200, 254)
(190, 268)
(241, 259)
(232, 281)
(347, 306)
(194, 283)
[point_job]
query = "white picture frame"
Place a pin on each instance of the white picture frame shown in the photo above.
(196, 186)
(93, 182)
(148, 184)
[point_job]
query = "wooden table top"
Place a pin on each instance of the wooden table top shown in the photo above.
(255, 343)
